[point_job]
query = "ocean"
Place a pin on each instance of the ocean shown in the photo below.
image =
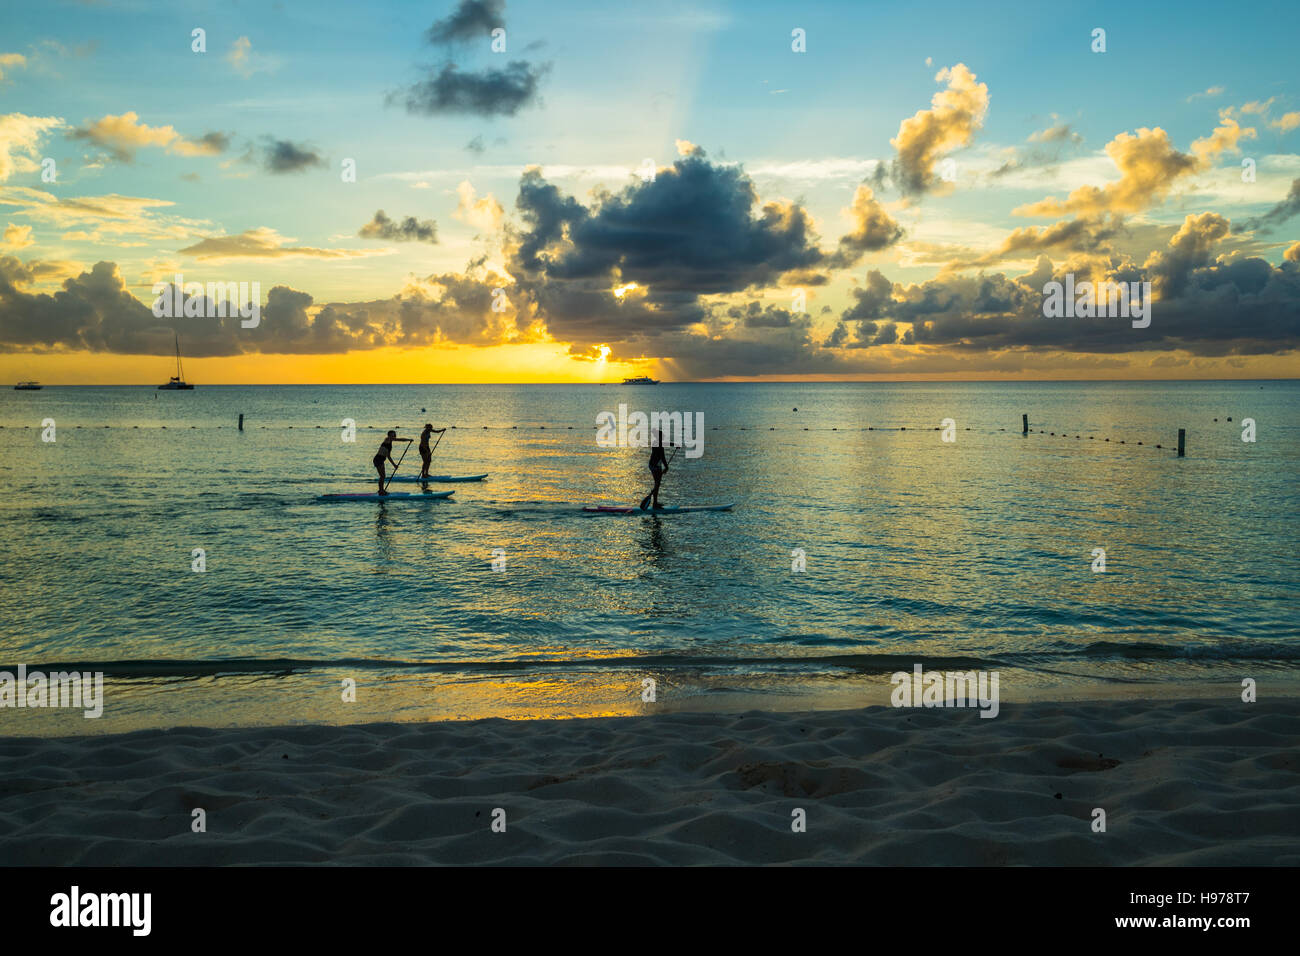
(974, 553)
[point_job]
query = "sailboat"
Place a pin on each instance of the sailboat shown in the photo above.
(176, 382)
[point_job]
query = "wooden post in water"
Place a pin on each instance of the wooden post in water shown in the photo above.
(1024, 424)
(1182, 437)
(241, 421)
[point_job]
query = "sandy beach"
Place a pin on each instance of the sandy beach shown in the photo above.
(1192, 782)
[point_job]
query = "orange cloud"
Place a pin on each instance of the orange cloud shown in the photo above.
(263, 243)
(122, 135)
(951, 122)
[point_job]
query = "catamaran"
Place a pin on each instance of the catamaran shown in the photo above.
(176, 382)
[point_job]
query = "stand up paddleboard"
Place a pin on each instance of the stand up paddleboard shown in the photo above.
(391, 496)
(633, 510)
(441, 479)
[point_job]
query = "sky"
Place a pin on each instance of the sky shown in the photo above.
(483, 191)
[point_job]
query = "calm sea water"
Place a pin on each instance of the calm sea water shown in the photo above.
(977, 551)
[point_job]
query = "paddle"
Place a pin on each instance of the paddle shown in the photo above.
(645, 502)
(399, 461)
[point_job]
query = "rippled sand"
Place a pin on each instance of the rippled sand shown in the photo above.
(1190, 782)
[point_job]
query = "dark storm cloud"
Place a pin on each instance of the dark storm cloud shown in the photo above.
(1279, 214)
(475, 145)
(284, 156)
(871, 301)
(94, 311)
(447, 89)
(1212, 308)
(409, 229)
(473, 19)
(696, 229)
(495, 92)
(756, 316)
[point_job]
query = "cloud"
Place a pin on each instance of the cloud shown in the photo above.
(498, 92)
(1189, 249)
(447, 89)
(1148, 165)
(409, 229)
(20, 140)
(112, 217)
(1045, 151)
(1206, 302)
(696, 229)
(1292, 253)
(1212, 91)
(813, 171)
(1279, 214)
(11, 61)
(284, 156)
(17, 237)
(757, 316)
(1287, 122)
(1059, 133)
(209, 144)
(1224, 139)
(1077, 235)
(94, 311)
(485, 214)
(245, 62)
(262, 243)
(123, 135)
(871, 301)
(475, 145)
(1258, 107)
(472, 20)
(873, 229)
(956, 114)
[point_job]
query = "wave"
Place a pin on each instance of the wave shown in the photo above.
(1100, 651)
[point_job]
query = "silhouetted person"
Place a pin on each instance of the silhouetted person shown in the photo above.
(658, 465)
(385, 453)
(426, 453)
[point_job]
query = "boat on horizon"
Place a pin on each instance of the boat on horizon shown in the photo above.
(177, 382)
(641, 380)
(28, 387)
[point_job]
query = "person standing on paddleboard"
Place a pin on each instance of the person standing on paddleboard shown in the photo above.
(385, 453)
(658, 465)
(426, 453)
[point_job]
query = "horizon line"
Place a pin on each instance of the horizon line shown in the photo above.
(922, 381)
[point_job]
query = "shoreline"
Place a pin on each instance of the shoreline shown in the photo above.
(1182, 782)
(267, 698)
